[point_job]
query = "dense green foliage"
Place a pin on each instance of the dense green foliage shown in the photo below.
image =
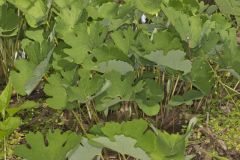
(102, 55)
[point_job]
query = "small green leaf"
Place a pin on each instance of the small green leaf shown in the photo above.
(38, 73)
(8, 126)
(5, 98)
(26, 105)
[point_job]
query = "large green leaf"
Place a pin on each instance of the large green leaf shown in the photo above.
(35, 11)
(202, 75)
(173, 59)
(69, 15)
(80, 44)
(108, 10)
(123, 39)
(32, 70)
(191, 29)
(38, 73)
(85, 151)
(8, 21)
(149, 6)
(179, 20)
(230, 7)
(119, 144)
(150, 97)
(134, 128)
(162, 40)
(229, 57)
(106, 53)
(121, 89)
(58, 145)
(113, 65)
(157, 144)
(187, 98)
(169, 146)
(20, 78)
(56, 91)
(86, 89)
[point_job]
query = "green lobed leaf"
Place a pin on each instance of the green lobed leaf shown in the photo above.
(230, 7)
(123, 39)
(187, 98)
(69, 15)
(6, 25)
(174, 59)
(150, 97)
(19, 80)
(32, 70)
(59, 144)
(86, 89)
(56, 91)
(8, 126)
(157, 144)
(121, 89)
(85, 151)
(202, 75)
(35, 11)
(149, 6)
(120, 144)
(114, 65)
(108, 10)
(38, 73)
(179, 20)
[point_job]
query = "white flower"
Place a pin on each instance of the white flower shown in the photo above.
(143, 19)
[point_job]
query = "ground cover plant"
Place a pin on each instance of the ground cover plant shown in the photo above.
(118, 79)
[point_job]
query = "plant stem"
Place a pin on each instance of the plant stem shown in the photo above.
(79, 120)
(5, 148)
(175, 86)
